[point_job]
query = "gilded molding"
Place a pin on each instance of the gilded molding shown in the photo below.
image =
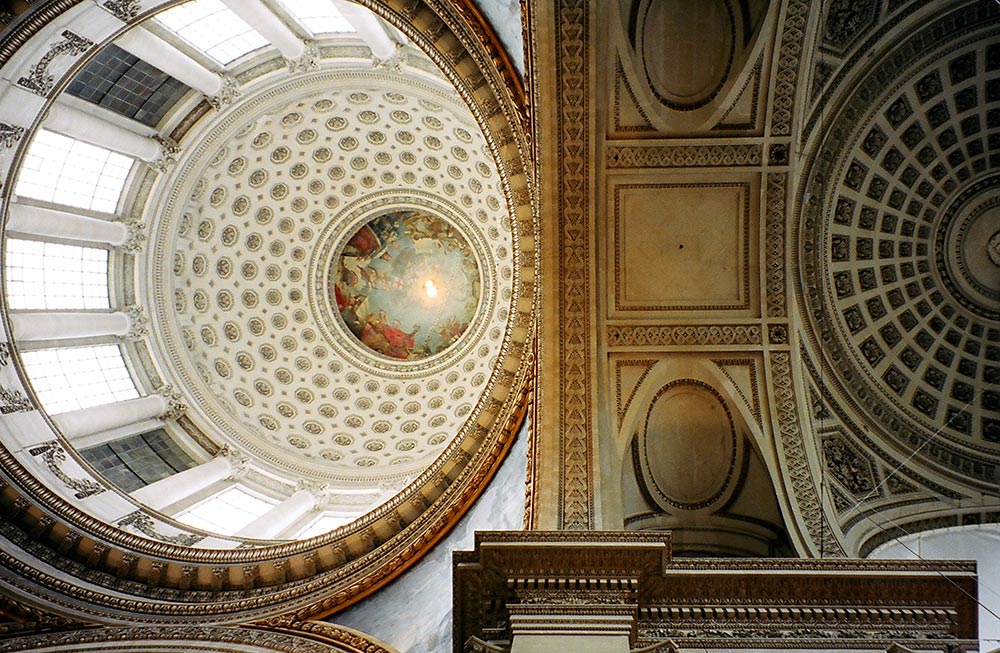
(669, 336)
(296, 637)
(576, 466)
(683, 156)
(798, 471)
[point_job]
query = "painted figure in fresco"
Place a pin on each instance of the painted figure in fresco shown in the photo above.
(404, 274)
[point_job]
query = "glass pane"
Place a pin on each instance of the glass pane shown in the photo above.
(212, 28)
(67, 171)
(53, 276)
(226, 512)
(78, 377)
(322, 524)
(318, 16)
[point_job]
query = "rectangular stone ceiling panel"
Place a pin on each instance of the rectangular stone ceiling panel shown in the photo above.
(682, 246)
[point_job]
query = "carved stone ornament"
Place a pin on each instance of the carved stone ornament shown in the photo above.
(124, 10)
(138, 322)
(319, 491)
(229, 91)
(846, 19)
(10, 135)
(144, 524)
(168, 154)
(39, 81)
(395, 63)
(238, 461)
(53, 455)
(175, 400)
(135, 238)
(13, 401)
(308, 60)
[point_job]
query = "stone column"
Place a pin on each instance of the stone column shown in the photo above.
(87, 421)
(268, 25)
(280, 517)
(57, 325)
(576, 628)
(54, 223)
(368, 28)
(182, 485)
(157, 52)
(92, 129)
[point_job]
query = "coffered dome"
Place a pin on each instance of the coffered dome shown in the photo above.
(907, 303)
(268, 299)
(288, 265)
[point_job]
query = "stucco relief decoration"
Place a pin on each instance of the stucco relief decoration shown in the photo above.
(10, 135)
(847, 19)
(407, 284)
(124, 10)
(39, 81)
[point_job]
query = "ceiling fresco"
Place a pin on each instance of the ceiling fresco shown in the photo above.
(406, 284)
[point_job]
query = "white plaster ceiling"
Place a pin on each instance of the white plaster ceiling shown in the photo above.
(236, 270)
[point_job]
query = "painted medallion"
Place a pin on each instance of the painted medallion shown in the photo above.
(406, 284)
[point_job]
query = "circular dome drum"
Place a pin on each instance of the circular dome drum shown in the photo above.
(312, 298)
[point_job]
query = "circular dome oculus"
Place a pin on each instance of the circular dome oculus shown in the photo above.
(406, 284)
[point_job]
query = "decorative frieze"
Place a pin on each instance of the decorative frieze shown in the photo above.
(124, 10)
(39, 81)
(799, 472)
(668, 336)
(10, 135)
(143, 523)
(572, 35)
(683, 156)
(54, 457)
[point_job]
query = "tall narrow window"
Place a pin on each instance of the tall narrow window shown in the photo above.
(226, 512)
(317, 16)
(213, 28)
(78, 377)
(67, 171)
(54, 276)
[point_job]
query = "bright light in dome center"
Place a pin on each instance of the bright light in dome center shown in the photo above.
(430, 288)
